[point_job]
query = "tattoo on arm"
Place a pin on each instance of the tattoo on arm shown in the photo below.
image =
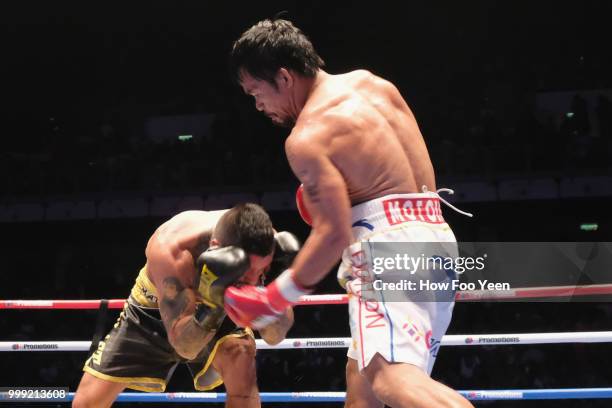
(302, 166)
(312, 190)
(175, 307)
(173, 300)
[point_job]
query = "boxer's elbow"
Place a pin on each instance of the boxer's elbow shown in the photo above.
(184, 352)
(185, 349)
(180, 346)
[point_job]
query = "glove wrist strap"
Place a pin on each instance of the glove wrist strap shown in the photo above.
(284, 291)
(208, 318)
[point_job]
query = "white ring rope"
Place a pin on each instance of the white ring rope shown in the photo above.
(345, 342)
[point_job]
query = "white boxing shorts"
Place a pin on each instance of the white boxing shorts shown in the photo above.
(406, 331)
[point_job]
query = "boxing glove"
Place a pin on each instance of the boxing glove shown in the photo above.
(300, 201)
(220, 268)
(286, 247)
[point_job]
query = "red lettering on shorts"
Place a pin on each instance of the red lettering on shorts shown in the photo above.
(428, 341)
(400, 210)
(359, 266)
(373, 319)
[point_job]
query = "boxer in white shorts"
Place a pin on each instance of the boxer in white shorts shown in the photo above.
(353, 140)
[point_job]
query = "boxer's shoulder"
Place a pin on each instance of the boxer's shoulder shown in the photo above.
(364, 84)
(186, 227)
(358, 77)
(361, 79)
(186, 218)
(313, 137)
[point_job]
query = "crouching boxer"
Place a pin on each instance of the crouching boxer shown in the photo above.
(175, 313)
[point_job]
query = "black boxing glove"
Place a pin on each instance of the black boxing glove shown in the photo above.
(220, 268)
(286, 247)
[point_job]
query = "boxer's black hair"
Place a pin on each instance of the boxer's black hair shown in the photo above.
(247, 226)
(272, 44)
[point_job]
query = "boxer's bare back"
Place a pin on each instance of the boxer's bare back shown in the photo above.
(362, 123)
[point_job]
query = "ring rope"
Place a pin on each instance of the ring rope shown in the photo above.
(345, 342)
(476, 395)
(337, 299)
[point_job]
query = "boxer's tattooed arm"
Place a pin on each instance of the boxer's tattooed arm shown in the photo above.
(177, 307)
(313, 192)
(173, 300)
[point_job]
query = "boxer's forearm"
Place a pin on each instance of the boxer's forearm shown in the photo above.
(177, 308)
(320, 253)
(189, 338)
(326, 198)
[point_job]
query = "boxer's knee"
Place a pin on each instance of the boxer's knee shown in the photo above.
(398, 384)
(80, 401)
(407, 385)
(84, 400)
(358, 390)
(94, 392)
(386, 391)
(235, 361)
(237, 352)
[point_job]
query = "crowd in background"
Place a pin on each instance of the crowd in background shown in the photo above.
(464, 141)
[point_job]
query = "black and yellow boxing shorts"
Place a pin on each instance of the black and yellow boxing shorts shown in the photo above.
(136, 352)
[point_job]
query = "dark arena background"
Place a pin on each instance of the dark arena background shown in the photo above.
(118, 115)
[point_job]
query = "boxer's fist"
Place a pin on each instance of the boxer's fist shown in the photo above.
(257, 307)
(220, 268)
(251, 306)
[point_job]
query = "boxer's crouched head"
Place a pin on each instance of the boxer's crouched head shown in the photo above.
(247, 226)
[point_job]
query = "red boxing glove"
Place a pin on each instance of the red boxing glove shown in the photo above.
(301, 205)
(257, 307)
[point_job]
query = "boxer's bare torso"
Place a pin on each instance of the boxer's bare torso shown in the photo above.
(362, 123)
(353, 139)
